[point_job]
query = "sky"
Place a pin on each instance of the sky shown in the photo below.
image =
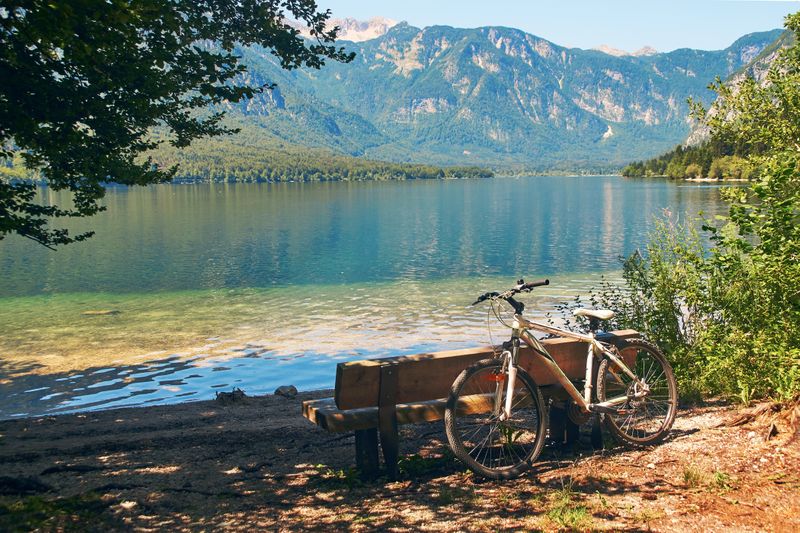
(625, 24)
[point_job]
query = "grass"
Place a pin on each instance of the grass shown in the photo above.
(647, 516)
(413, 466)
(565, 512)
(721, 481)
(339, 479)
(602, 502)
(462, 495)
(693, 476)
(77, 513)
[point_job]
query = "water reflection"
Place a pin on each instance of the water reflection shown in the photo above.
(189, 237)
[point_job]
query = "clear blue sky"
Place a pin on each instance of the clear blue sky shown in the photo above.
(626, 24)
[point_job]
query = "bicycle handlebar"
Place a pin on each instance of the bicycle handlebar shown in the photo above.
(532, 284)
(509, 294)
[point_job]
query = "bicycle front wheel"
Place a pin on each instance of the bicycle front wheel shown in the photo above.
(646, 416)
(489, 446)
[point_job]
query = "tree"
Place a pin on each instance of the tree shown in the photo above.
(693, 170)
(85, 82)
(676, 169)
(731, 313)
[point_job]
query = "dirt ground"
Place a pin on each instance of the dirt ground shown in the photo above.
(259, 465)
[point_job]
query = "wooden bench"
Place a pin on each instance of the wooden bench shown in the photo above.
(375, 396)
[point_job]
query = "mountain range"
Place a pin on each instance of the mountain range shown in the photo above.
(491, 96)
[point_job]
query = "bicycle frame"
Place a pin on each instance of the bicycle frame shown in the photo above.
(520, 331)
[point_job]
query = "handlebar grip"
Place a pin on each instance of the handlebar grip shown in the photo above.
(532, 284)
(485, 296)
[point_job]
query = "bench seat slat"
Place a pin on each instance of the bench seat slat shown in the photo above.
(326, 415)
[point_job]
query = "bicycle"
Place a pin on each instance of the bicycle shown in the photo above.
(496, 421)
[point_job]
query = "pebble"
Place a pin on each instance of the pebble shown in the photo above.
(287, 391)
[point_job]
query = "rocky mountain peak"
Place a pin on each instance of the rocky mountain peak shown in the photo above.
(645, 51)
(616, 52)
(354, 30)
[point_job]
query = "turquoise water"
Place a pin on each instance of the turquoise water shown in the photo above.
(189, 289)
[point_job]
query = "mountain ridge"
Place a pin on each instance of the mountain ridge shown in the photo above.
(491, 96)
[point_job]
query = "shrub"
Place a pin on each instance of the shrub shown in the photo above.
(694, 171)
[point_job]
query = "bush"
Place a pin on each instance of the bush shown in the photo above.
(694, 171)
(676, 169)
(729, 316)
(731, 167)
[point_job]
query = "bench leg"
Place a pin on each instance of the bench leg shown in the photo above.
(597, 433)
(387, 419)
(573, 433)
(558, 417)
(390, 443)
(563, 432)
(367, 452)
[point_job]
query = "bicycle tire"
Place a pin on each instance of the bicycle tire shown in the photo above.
(648, 420)
(489, 447)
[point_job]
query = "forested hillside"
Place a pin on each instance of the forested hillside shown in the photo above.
(492, 97)
(703, 156)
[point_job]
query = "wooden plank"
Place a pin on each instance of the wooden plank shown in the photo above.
(326, 415)
(429, 376)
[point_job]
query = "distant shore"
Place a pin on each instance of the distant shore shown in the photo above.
(717, 180)
(695, 180)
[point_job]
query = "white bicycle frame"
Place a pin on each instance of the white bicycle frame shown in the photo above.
(520, 331)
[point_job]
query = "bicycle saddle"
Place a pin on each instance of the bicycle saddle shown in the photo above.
(599, 314)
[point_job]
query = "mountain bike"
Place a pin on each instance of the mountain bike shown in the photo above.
(496, 418)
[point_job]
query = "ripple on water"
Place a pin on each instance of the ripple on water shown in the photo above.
(299, 342)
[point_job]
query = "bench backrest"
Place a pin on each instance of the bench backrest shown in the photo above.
(429, 376)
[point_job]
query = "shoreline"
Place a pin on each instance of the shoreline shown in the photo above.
(696, 180)
(720, 180)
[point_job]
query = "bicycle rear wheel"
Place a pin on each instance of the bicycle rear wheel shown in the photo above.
(647, 419)
(494, 448)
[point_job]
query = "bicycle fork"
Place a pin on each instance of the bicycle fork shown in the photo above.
(502, 405)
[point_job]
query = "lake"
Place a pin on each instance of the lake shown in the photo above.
(190, 289)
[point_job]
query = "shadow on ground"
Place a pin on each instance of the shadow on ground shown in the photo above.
(260, 464)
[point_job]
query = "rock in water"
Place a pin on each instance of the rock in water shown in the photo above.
(287, 391)
(236, 395)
